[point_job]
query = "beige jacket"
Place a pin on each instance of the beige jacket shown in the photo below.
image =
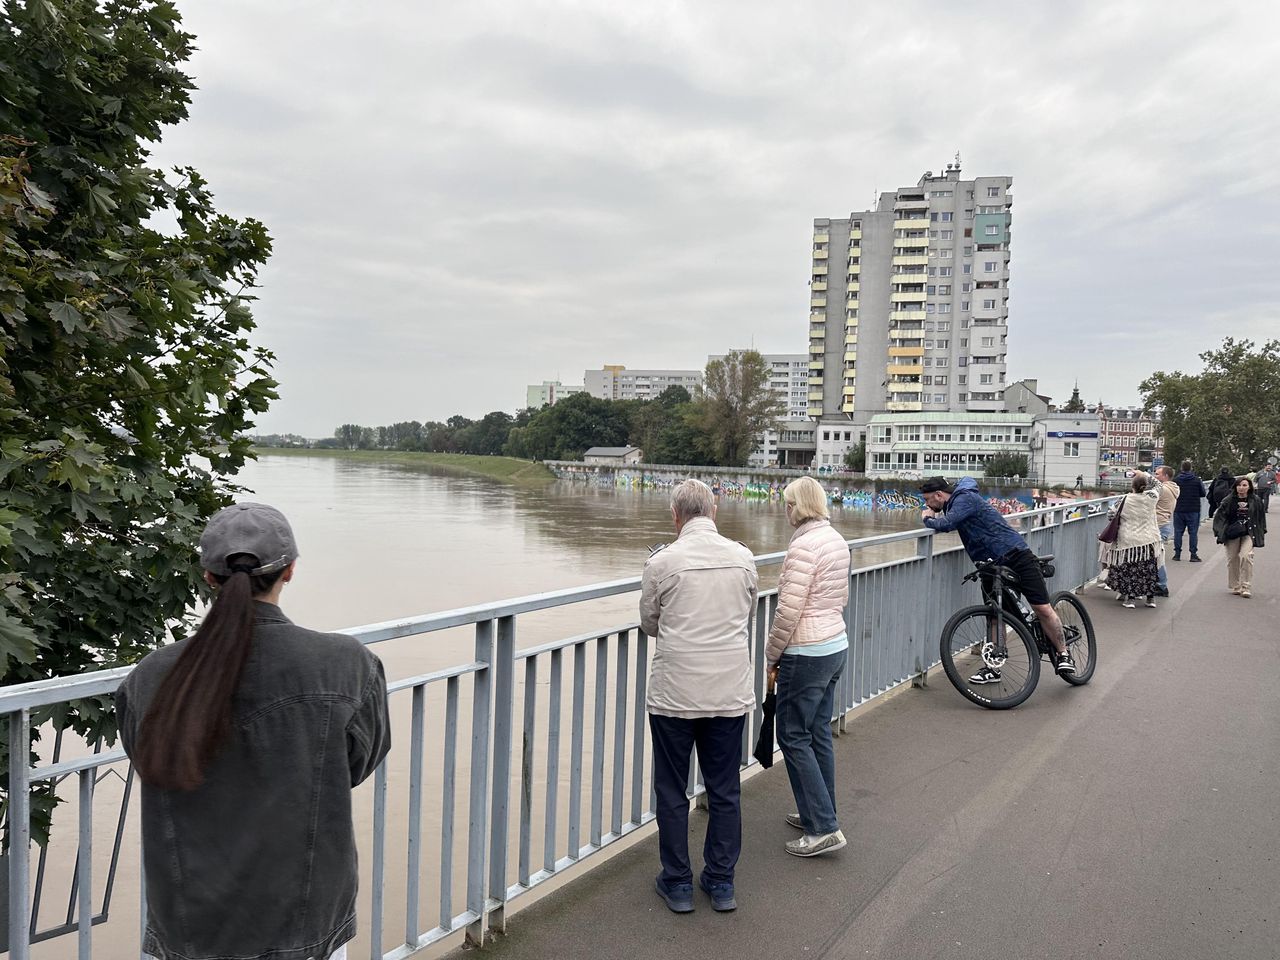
(698, 600)
(1168, 491)
(813, 589)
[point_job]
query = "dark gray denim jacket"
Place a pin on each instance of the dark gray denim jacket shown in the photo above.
(259, 863)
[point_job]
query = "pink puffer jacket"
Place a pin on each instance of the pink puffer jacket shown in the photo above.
(812, 591)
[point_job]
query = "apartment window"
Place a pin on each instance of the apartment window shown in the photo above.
(988, 341)
(968, 232)
(988, 304)
(993, 191)
(1071, 449)
(984, 378)
(928, 382)
(939, 398)
(928, 361)
(940, 381)
(946, 254)
(880, 461)
(966, 286)
(941, 362)
(931, 289)
(928, 344)
(947, 216)
(968, 214)
(944, 308)
(940, 193)
(933, 253)
(933, 271)
(933, 217)
(942, 344)
(989, 209)
(826, 434)
(929, 308)
(948, 234)
(992, 230)
(963, 397)
(968, 251)
(944, 290)
(944, 271)
(990, 266)
(964, 361)
(944, 324)
(968, 268)
(962, 379)
(883, 434)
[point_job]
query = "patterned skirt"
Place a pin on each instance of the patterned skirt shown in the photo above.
(1135, 578)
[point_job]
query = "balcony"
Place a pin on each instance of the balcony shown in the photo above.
(817, 301)
(815, 397)
(816, 365)
(817, 331)
(854, 236)
(848, 392)
(911, 223)
(903, 406)
(850, 338)
(819, 269)
(821, 254)
(821, 238)
(905, 386)
(818, 286)
(901, 351)
(853, 287)
(847, 407)
(907, 296)
(898, 315)
(910, 260)
(911, 203)
(850, 356)
(905, 369)
(913, 242)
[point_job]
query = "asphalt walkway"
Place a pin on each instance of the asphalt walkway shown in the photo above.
(1136, 817)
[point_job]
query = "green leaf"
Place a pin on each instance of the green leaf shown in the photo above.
(67, 315)
(16, 639)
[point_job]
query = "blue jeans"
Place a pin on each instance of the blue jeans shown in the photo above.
(1166, 533)
(719, 743)
(806, 693)
(1190, 522)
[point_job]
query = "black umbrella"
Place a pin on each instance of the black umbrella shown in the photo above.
(764, 744)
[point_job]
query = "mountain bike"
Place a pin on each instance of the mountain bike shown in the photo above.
(1003, 633)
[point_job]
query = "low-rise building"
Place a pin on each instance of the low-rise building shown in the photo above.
(613, 456)
(951, 445)
(1128, 437)
(1023, 397)
(1064, 449)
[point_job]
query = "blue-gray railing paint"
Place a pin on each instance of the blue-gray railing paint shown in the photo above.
(891, 643)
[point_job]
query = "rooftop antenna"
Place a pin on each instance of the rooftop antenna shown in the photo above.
(957, 159)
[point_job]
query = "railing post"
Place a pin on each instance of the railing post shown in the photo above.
(479, 832)
(504, 661)
(923, 615)
(19, 836)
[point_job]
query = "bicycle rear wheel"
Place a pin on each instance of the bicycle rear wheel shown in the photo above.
(1077, 631)
(1010, 647)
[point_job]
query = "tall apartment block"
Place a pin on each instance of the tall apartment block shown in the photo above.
(908, 306)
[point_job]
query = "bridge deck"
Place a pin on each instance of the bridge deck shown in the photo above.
(1136, 817)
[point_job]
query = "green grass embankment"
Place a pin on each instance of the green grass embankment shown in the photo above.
(507, 469)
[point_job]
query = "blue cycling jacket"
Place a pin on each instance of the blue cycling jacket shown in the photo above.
(986, 535)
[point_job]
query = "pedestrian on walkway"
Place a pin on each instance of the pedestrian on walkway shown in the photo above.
(1186, 512)
(697, 600)
(1240, 525)
(1167, 499)
(1133, 560)
(1266, 485)
(807, 650)
(1220, 489)
(248, 738)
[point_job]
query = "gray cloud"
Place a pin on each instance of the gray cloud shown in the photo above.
(467, 198)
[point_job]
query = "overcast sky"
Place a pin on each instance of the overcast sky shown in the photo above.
(469, 197)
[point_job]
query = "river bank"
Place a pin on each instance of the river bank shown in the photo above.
(507, 469)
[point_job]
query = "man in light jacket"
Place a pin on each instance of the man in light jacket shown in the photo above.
(1167, 492)
(697, 599)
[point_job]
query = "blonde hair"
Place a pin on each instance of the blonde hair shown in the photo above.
(808, 500)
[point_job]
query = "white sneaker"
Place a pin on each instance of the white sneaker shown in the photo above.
(808, 846)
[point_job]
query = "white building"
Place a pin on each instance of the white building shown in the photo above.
(614, 456)
(1065, 446)
(547, 393)
(616, 382)
(951, 445)
(789, 380)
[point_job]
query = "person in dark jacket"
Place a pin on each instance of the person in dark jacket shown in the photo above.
(1240, 524)
(1220, 489)
(248, 738)
(1186, 512)
(986, 535)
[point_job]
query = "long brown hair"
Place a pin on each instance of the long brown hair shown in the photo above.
(190, 714)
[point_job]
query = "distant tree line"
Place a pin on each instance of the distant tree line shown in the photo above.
(718, 427)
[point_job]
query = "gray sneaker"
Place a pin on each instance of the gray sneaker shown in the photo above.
(795, 821)
(808, 846)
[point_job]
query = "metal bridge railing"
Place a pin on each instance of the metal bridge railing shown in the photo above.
(552, 774)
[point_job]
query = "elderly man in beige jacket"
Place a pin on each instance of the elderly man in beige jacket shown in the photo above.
(697, 600)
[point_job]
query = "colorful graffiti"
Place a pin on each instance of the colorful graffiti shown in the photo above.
(868, 496)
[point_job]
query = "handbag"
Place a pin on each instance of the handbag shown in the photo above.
(764, 744)
(1111, 532)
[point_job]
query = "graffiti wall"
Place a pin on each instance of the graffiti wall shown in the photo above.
(749, 486)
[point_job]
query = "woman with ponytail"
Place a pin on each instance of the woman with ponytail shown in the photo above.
(248, 738)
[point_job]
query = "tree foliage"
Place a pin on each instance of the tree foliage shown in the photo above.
(736, 405)
(1006, 465)
(856, 458)
(1228, 415)
(127, 377)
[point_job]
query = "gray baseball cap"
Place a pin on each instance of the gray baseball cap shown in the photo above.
(250, 528)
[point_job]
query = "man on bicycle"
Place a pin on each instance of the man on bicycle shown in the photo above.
(987, 536)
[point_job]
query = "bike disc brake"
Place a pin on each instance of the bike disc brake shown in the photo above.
(993, 659)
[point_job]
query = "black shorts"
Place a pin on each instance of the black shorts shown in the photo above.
(1031, 581)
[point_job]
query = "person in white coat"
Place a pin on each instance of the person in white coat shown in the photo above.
(808, 647)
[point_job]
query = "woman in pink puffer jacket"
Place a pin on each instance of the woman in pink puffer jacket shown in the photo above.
(807, 650)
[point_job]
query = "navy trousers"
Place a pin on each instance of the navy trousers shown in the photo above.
(719, 744)
(1190, 522)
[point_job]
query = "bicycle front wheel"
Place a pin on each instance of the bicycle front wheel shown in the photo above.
(1077, 631)
(989, 657)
